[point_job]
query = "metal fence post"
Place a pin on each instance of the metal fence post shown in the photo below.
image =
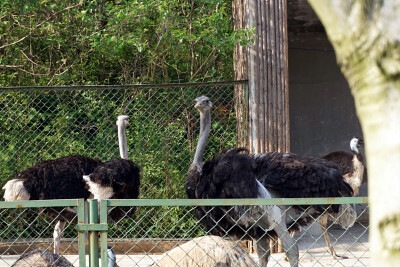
(103, 234)
(81, 234)
(93, 234)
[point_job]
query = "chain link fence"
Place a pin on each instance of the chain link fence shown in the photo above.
(43, 123)
(152, 238)
(49, 122)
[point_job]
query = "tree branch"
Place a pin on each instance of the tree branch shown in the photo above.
(40, 24)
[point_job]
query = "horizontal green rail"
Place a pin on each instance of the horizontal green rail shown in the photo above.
(241, 201)
(188, 202)
(40, 203)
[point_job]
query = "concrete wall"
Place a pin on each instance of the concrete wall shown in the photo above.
(322, 112)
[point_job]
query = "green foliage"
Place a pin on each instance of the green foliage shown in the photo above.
(104, 42)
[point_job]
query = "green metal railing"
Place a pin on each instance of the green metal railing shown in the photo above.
(100, 225)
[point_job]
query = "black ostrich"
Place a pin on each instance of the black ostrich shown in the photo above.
(62, 178)
(355, 174)
(117, 178)
(234, 174)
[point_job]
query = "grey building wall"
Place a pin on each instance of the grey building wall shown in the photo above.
(322, 113)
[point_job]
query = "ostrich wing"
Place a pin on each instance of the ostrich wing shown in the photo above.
(294, 176)
(343, 160)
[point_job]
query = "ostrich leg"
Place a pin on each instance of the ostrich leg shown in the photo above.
(323, 223)
(57, 235)
(288, 243)
(263, 251)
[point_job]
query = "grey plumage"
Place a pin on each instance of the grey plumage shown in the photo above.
(206, 251)
(41, 258)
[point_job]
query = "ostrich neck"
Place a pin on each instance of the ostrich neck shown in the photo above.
(123, 147)
(205, 125)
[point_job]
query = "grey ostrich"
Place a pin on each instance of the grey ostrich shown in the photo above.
(355, 173)
(62, 178)
(44, 258)
(206, 251)
(234, 174)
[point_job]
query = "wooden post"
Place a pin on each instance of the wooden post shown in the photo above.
(240, 67)
(268, 78)
(265, 65)
(266, 62)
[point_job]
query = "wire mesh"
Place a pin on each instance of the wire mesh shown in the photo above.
(28, 229)
(156, 236)
(160, 240)
(43, 123)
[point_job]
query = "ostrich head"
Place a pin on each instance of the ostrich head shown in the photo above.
(122, 122)
(355, 143)
(203, 104)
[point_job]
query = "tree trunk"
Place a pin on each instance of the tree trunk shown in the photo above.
(366, 37)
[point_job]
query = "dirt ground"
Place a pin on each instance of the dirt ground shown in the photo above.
(313, 251)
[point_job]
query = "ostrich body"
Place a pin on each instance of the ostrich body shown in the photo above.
(62, 178)
(44, 258)
(355, 173)
(206, 251)
(288, 175)
(59, 178)
(234, 174)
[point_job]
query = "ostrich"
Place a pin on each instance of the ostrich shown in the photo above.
(117, 178)
(62, 178)
(233, 174)
(351, 165)
(44, 258)
(354, 172)
(206, 251)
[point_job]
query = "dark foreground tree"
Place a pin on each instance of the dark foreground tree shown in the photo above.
(366, 38)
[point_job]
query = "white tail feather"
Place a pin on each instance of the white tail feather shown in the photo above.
(15, 190)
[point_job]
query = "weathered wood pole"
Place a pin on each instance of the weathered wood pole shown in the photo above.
(265, 65)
